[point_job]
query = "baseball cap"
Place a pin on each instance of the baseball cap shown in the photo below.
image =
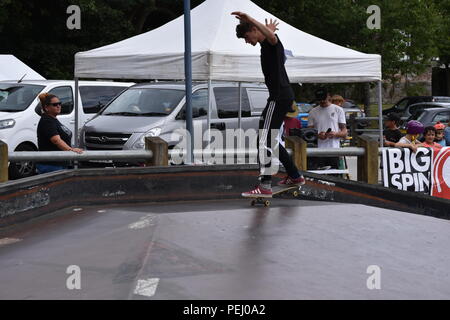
(393, 117)
(321, 93)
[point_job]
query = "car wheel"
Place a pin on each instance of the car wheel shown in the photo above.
(18, 170)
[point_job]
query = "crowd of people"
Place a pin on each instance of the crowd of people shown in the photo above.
(417, 135)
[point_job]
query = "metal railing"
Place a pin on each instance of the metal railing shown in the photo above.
(85, 156)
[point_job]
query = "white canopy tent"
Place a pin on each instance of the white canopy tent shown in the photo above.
(218, 55)
(12, 68)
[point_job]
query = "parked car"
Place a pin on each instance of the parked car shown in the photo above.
(429, 117)
(419, 107)
(304, 109)
(401, 106)
(158, 109)
(20, 111)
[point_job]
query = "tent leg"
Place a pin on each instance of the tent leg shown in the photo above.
(380, 112)
(380, 120)
(77, 121)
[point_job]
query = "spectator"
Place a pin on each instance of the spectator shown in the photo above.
(291, 121)
(414, 129)
(51, 134)
(329, 121)
(337, 100)
(429, 134)
(392, 134)
(440, 127)
(447, 134)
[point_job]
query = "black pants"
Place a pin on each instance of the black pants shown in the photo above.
(269, 129)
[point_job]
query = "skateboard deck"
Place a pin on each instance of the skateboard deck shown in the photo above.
(277, 190)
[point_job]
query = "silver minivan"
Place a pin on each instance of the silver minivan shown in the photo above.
(158, 109)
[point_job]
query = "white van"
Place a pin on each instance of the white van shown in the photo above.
(20, 111)
(158, 109)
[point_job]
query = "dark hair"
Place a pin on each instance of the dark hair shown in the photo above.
(242, 28)
(428, 129)
(46, 99)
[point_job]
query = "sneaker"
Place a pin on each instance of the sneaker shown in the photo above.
(258, 191)
(288, 181)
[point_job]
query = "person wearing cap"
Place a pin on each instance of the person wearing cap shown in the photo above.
(278, 104)
(440, 127)
(329, 121)
(392, 134)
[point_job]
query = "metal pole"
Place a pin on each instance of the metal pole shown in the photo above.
(240, 114)
(380, 112)
(208, 121)
(188, 77)
(380, 119)
(76, 141)
(76, 131)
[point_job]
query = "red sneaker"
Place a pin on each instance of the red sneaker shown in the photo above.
(258, 192)
(288, 181)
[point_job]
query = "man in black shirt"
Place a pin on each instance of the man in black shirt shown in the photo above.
(392, 134)
(281, 97)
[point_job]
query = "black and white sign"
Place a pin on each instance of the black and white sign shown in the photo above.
(406, 170)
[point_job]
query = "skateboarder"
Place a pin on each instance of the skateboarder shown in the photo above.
(278, 105)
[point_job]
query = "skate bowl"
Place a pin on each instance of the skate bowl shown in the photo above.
(35, 196)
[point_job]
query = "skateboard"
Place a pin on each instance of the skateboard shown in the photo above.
(256, 199)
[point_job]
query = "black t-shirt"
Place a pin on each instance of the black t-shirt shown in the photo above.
(276, 78)
(392, 135)
(47, 128)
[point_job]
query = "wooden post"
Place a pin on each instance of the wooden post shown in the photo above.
(160, 151)
(368, 164)
(3, 162)
(299, 156)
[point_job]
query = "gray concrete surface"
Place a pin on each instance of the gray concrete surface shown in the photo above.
(227, 250)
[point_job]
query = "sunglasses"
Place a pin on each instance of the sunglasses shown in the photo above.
(55, 104)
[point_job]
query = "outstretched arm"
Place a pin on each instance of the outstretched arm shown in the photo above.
(268, 33)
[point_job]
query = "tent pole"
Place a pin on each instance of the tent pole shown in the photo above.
(240, 114)
(76, 138)
(208, 121)
(188, 77)
(380, 112)
(380, 120)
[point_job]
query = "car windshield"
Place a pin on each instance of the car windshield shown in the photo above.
(304, 107)
(401, 105)
(15, 97)
(148, 102)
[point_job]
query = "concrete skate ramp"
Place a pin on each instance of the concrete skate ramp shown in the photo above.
(226, 249)
(185, 233)
(29, 198)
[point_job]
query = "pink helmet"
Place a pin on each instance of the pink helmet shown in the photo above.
(414, 127)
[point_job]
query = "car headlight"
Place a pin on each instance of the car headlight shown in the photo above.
(8, 123)
(140, 144)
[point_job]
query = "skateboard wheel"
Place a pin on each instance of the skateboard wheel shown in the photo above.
(295, 193)
(266, 203)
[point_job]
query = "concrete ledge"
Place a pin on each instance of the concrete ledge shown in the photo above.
(28, 198)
